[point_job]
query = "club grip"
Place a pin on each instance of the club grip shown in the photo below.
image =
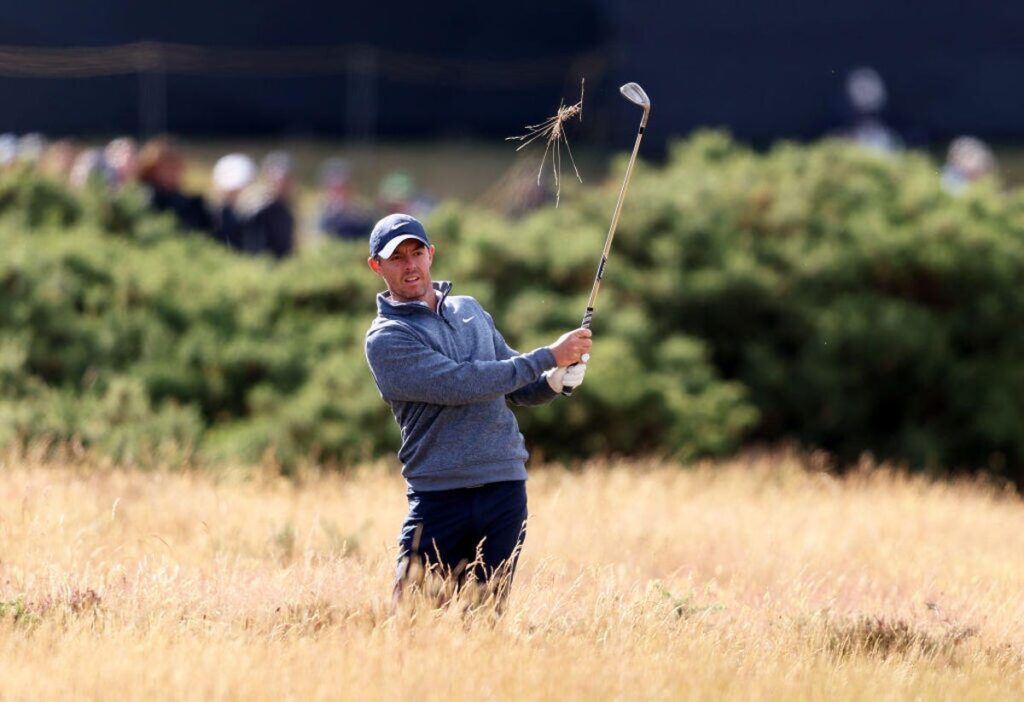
(588, 316)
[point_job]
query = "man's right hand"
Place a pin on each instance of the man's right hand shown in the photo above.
(571, 346)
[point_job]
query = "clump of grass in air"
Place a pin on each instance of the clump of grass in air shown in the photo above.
(553, 132)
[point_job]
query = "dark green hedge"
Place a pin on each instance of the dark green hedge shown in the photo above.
(822, 294)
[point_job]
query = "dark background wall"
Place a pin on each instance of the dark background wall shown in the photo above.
(405, 69)
(777, 69)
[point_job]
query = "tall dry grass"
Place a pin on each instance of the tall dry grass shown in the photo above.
(754, 579)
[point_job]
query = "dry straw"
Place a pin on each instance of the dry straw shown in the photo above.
(553, 132)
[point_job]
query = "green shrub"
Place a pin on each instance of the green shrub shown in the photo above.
(823, 294)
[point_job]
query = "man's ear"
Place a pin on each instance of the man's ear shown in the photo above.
(374, 265)
(431, 250)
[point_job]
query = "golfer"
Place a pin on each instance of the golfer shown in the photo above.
(448, 374)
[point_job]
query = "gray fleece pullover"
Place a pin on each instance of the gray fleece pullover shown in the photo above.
(447, 376)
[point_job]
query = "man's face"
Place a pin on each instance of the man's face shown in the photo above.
(407, 271)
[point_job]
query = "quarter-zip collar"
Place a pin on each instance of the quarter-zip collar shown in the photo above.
(387, 307)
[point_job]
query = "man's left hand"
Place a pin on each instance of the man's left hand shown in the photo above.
(571, 377)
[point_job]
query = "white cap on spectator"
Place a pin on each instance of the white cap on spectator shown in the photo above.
(8, 148)
(233, 172)
(866, 90)
(971, 156)
(31, 147)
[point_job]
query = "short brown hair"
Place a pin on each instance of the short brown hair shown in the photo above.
(154, 152)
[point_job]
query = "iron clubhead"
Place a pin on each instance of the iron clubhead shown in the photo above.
(635, 94)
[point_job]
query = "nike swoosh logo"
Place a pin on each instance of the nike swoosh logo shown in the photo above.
(467, 320)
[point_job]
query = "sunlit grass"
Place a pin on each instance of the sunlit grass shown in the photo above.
(753, 579)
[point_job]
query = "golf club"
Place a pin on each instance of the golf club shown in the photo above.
(636, 95)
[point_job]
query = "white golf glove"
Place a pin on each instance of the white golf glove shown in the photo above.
(561, 378)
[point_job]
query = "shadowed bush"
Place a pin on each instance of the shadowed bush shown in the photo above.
(879, 636)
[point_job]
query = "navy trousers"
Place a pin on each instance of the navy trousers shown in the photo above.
(474, 531)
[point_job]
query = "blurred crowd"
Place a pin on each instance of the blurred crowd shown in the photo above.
(251, 208)
(968, 159)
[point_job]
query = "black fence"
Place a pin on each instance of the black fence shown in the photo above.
(765, 70)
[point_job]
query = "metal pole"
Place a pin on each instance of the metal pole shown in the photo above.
(152, 90)
(361, 95)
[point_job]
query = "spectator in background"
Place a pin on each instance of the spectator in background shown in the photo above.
(340, 215)
(231, 174)
(397, 193)
(866, 98)
(122, 158)
(58, 159)
(270, 224)
(30, 148)
(969, 159)
(162, 170)
(8, 150)
(89, 170)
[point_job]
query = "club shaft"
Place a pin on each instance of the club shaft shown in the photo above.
(589, 314)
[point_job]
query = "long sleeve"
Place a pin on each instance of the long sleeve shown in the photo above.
(535, 393)
(408, 370)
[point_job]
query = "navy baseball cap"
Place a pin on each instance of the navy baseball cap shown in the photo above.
(391, 231)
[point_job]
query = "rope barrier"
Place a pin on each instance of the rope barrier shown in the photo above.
(185, 59)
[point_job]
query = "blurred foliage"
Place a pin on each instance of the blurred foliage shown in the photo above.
(823, 294)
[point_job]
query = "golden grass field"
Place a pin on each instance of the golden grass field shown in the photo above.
(753, 579)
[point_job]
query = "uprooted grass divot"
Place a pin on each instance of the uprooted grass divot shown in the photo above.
(553, 132)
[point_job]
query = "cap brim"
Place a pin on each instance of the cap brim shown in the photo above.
(389, 248)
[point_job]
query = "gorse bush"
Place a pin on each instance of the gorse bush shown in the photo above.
(822, 294)
(862, 307)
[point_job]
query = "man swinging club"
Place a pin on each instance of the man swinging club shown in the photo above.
(447, 373)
